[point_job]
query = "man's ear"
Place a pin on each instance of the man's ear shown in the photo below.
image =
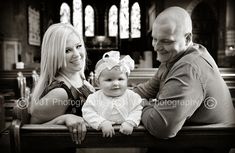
(188, 38)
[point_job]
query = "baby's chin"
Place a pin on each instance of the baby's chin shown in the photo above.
(114, 94)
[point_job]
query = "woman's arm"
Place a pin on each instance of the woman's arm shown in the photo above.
(75, 124)
(50, 106)
(51, 110)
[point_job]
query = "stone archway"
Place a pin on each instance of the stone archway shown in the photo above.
(205, 27)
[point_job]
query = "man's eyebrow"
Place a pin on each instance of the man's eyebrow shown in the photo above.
(79, 44)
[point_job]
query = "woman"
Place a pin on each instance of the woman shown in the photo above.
(61, 89)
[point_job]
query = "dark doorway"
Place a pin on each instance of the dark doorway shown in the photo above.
(205, 28)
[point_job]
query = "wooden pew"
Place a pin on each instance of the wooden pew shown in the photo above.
(2, 114)
(9, 89)
(32, 138)
(8, 80)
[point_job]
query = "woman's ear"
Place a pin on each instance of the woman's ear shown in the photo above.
(97, 82)
(188, 38)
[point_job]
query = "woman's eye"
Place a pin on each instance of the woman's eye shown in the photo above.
(78, 46)
(67, 50)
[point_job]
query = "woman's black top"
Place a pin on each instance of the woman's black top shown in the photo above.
(76, 98)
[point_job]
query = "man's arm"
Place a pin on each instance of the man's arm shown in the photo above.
(180, 96)
(148, 89)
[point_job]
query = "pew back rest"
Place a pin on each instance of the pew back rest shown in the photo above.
(8, 81)
(143, 74)
(2, 114)
(55, 137)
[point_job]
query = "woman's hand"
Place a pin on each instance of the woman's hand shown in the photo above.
(76, 126)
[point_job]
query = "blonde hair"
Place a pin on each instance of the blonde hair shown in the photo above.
(53, 55)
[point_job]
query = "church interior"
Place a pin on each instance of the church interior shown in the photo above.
(122, 25)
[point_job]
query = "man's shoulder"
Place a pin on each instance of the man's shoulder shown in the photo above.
(194, 55)
(188, 60)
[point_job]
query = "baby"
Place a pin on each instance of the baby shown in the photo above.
(113, 103)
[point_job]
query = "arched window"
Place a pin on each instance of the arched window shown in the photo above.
(89, 21)
(124, 19)
(64, 13)
(112, 20)
(77, 16)
(135, 20)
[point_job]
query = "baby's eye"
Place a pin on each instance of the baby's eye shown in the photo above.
(108, 80)
(120, 79)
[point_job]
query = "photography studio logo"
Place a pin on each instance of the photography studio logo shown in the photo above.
(210, 103)
(22, 103)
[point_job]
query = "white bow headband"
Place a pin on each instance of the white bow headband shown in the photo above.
(112, 59)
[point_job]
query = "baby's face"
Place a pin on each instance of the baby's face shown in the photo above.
(113, 82)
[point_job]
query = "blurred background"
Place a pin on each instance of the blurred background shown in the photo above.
(123, 25)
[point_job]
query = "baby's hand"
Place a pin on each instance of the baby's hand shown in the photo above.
(107, 129)
(126, 128)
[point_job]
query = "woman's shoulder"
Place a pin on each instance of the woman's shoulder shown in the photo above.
(57, 88)
(57, 93)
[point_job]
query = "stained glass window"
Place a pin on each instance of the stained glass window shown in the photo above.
(135, 20)
(124, 19)
(89, 21)
(113, 16)
(77, 16)
(64, 13)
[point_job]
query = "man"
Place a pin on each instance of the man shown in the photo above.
(188, 86)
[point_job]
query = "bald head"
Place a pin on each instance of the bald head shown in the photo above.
(175, 18)
(172, 33)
